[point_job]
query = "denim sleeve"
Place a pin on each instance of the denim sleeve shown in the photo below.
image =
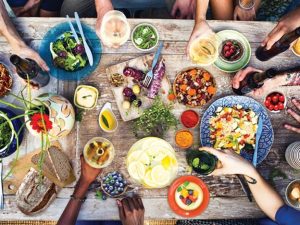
(287, 215)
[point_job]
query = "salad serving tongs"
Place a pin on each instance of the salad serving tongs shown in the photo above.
(86, 47)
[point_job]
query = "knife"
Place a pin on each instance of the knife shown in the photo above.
(86, 47)
(1, 188)
(73, 30)
(257, 137)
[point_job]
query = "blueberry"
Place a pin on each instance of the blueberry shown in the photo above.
(117, 184)
(188, 201)
(124, 182)
(115, 177)
(121, 185)
(191, 192)
(120, 179)
(111, 188)
(121, 189)
(114, 173)
(112, 182)
(106, 188)
(104, 197)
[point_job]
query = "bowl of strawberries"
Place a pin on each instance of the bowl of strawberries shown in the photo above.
(275, 102)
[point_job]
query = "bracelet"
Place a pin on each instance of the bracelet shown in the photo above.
(73, 197)
(251, 181)
(246, 4)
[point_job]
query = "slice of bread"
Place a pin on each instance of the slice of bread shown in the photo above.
(46, 165)
(60, 162)
(35, 193)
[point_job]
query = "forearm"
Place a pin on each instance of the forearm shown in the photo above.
(265, 196)
(102, 6)
(70, 214)
(201, 9)
(7, 28)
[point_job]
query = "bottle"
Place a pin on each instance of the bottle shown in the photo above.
(29, 69)
(280, 46)
(254, 80)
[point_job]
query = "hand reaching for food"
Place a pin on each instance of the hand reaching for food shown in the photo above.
(295, 115)
(88, 173)
(131, 211)
(232, 163)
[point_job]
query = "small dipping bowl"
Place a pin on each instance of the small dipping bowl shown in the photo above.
(112, 120)
(132, 36)
(284, 103)
(294, 203)
(103, 184)
(88, 148)
(179, 137)
(239, 57)
(186, 114)
(85, 89)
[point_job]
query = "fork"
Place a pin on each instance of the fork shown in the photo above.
(1, 188)
(149, 76)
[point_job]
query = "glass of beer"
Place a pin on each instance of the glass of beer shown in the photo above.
(204, 50)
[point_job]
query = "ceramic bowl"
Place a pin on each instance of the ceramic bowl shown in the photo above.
(181, 116)
(184, 147)
(155, 30)
(292, 155)
(284, 104)
(114, 196)
(95, 90)
(241, 56)
(294, 203)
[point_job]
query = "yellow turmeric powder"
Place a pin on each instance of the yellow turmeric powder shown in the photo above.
(184, 139)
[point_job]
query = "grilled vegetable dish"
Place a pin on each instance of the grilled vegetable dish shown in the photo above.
(5, 81)
(67, 54)
(194, 87)
(233, 128)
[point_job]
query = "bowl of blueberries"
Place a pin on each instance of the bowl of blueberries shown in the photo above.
(113, 184)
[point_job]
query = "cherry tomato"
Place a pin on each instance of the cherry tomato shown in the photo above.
(280, 106)
(275, 99)
(269, 98)
(276, 107)
(267, 103)
(271, 107)
(278, 94)
(281, 98)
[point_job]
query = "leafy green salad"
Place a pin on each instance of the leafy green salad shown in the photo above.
(67, 54)
(145, 36)
(5, 133)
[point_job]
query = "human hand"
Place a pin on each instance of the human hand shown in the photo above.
(131, 211)
(269, 84)
(183, 9)
(232, 163)
(285, 25)
(88, 173)
(28, 52)
(200, 28)
(244, 14)
(295, 116)
(30, 8)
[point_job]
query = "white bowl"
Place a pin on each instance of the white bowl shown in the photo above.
(284, 104)
(144, 24)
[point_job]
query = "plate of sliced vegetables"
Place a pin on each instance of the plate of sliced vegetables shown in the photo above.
(231, 123)
(65, 57)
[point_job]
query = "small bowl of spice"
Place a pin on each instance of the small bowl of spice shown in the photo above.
(189, 118)
(184, 139)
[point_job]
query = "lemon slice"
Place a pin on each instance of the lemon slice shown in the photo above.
(134, 156)
(148, 182)
(137, 170)
(160, 176)
(144, 158)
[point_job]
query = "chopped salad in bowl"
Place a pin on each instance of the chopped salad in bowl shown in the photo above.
(145, 37)
(234, 128)
(67, 54)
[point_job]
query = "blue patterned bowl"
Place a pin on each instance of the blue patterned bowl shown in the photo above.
(17, 123)
(56, 32)
(267, 137)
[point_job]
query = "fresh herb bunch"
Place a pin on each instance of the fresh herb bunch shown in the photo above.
(155, 121)
(5, 132)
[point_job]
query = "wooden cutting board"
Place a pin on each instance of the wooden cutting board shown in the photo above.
(21, 168)
(142, 63)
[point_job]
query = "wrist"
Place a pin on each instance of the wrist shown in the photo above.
(81, 188)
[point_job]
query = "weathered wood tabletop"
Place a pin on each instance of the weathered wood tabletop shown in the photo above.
(227, 198)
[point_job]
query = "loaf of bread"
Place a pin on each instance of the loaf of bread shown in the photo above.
(35, 193)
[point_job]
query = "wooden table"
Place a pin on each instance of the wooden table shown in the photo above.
(227, 198)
